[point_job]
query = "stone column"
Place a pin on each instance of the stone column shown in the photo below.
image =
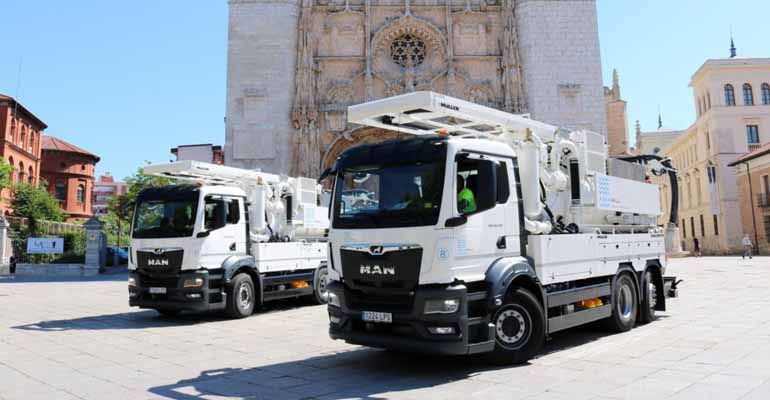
(95, 244)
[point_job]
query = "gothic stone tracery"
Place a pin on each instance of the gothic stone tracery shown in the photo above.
(469, 51)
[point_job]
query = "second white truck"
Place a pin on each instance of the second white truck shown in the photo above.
(228, 239)
(484, 232)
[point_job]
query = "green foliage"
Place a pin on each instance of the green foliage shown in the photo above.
(36, 204)
(5, 175)
(117, 222)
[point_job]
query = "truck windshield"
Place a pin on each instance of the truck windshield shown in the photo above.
(388, 196)
(165, 212)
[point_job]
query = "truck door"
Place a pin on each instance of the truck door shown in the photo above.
(224, 230)
(482, 191)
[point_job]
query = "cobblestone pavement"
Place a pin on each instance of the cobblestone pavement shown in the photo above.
(79, 339)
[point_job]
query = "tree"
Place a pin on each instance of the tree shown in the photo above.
(118, 219)
(36, 204)
(5, 175)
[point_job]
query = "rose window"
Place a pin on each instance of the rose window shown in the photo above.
(407, 50)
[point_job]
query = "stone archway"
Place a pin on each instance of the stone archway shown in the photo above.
(358, 136)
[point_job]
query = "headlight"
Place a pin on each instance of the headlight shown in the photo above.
(131, 281)
(193, 282)
(334, 300)
(447, 306)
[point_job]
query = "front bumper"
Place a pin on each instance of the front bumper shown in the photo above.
(177, 297)
(409, 328)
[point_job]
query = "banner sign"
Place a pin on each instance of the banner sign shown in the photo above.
(45, 245)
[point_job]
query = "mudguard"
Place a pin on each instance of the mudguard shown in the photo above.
(233, 264)
(503, 272)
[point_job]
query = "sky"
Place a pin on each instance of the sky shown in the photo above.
(130, 80)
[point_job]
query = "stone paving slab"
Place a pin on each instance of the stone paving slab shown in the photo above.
(63, 338)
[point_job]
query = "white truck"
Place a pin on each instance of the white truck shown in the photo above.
(485, 232)
(228, 239)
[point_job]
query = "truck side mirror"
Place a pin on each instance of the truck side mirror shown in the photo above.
(203, 234)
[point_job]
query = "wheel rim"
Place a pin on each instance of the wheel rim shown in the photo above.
(322, 282)
(652, 293)
(513, 327)
(625, 301)
(244, 296)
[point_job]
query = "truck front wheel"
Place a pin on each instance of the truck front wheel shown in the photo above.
(241, 297)
(519, 328)
(319, 285)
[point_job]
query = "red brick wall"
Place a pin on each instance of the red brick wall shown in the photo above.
(71, 170)
(26, 153)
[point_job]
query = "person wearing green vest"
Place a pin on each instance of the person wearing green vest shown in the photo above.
(466, 201)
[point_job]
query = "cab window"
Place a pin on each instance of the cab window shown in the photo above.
(220, 211)
(477, 184)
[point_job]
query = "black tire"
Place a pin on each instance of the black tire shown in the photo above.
(319, 285)
(241, 298)
(169, 313)
(624, 304)
(649, 299)
(519, 328)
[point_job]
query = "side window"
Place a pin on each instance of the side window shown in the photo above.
(233, 211)
(477, 183)
(503, 185)
(215, 213)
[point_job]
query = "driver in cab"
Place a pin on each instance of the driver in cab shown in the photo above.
(466, 201)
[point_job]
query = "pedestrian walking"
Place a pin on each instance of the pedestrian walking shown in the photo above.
(696, 247)
(746, 246)
(12, 266)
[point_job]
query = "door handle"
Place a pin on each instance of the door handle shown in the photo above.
(232, 247)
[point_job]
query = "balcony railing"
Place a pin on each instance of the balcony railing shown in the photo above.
(754, 146)
(763, 200)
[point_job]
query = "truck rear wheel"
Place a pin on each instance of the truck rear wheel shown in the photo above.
(624, 304)
(519, 328)
(241, 296)
(649, 301)
(319, 285)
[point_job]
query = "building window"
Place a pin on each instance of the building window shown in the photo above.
(729, 95)
(702, 227)
(407, 50)
(60, 191)
(748, 95)
(708, 101)
(10, 162)
(765, 94)
(752, 134)
(21, 173)
(81, 194)
(692, 226)
(716, 225)
(711, 170)
(767, 228)
(684, 229)
(23, 137)
(31, 176)
(31, 142)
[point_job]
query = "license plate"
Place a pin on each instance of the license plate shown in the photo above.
(379, 317)
(157, 290)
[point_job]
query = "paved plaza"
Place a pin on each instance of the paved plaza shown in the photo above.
(72, 339)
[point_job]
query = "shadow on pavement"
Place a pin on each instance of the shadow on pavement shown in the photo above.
(362, 373)
(142, 319)
(107, 277)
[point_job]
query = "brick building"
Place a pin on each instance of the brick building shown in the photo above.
(20, 146)
(753, 177)
(69, 171)
(104, 189)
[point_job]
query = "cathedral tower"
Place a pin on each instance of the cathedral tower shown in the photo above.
(261, 64)
(559, 48)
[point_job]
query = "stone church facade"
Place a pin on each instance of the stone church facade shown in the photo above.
(294, 66)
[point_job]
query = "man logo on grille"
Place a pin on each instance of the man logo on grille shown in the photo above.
(376, 270)
(376, 250)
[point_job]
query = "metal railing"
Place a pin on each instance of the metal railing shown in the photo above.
(754, 146)
(763, 200)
